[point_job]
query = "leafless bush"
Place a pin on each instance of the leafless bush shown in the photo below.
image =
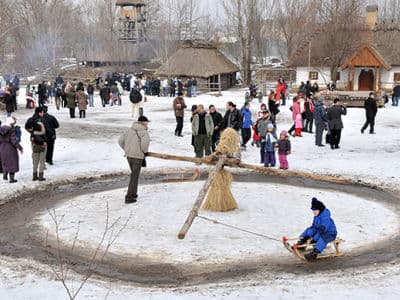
(62, 268)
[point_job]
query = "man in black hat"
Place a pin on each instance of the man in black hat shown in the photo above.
(322, 232)
(50, 124)
(135, 143)
(371, 109)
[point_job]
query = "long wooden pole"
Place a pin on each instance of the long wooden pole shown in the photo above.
(200, 198)
(235, 163)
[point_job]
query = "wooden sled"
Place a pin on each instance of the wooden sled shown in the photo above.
(300, 250)
(183, 175)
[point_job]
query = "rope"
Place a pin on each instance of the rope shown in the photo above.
(240, 229)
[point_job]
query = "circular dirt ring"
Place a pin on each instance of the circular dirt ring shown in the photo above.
(22, 239)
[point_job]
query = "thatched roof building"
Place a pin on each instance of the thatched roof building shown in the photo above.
(202, 61)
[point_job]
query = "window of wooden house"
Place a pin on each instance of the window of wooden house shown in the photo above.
(338, 76)
(396, 77)
(313, 75)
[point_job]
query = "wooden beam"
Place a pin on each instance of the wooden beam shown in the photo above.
(200, 198)
(236, 163)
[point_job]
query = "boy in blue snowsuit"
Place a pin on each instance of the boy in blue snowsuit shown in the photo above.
(322, 232)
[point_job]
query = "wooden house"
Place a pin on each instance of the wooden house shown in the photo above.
(371, 64)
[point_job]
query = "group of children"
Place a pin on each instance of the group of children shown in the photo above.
(269, 142)
(272, 143)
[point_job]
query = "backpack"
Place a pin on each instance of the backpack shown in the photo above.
(135, 96)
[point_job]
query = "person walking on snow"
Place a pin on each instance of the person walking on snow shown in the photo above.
(178, 105)
(322, 231)
(371, 110)
(135, 143)
(284, 149)
(50, 124)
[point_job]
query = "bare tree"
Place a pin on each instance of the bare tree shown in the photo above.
(246, 19)
(112, 230)
(341, 20)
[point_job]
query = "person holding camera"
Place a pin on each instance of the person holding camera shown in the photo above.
(37, 130)
(135, 143)
(335, 123)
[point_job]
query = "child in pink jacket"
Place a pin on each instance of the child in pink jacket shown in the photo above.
(298, 125)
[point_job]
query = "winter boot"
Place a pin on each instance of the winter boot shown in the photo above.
(41, 178)
(5, 176)
(12, 179)
(35, 177)
(312, 255)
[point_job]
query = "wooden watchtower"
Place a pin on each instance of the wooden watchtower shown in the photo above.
(132, 20)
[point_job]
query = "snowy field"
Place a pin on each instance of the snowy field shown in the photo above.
(88, 147)
(268, 214)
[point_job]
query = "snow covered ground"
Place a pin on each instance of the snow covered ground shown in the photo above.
(267, 214)
(87, 147)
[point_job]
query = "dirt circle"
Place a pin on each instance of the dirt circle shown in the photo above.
(23, 237)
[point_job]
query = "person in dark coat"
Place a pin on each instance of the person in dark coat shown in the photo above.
(284, 149)
(335, 123)
(172, 88)
(104, 95)
(42, 92)
(309, 114)
(9, 146)
(180, 87)
(13, 93)
(8, 101)
(59, 80)
(322, 231)
(217, 118)
(232, 118)
(90, 91)
(396, 95)
(50, 124)
(371, 109)
(320, 121)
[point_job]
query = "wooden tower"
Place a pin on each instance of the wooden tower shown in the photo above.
(132, 21)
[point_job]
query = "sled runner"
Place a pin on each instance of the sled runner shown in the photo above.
(300, 250)
(183, 175)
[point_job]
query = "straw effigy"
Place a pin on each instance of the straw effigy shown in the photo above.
(219, 197)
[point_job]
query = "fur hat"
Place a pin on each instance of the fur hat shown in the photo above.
(317, 205)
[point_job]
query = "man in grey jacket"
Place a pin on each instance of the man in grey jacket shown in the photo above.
(135, 143)
(320, 121)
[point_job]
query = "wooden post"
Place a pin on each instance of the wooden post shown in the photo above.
(219, 85)
(200, 198)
